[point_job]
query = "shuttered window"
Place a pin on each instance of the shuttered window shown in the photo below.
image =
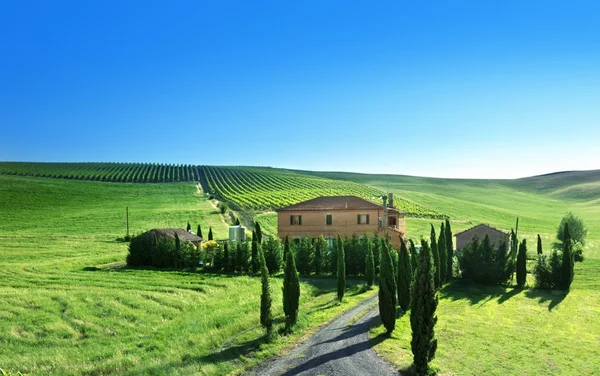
(329, 219)
(362, 219)
(295, 219)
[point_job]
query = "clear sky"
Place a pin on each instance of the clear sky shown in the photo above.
(438, 88)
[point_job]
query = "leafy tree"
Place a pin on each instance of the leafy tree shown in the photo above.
(370, 266)
(443, 257)
(341, 269)
(224, 207)
(291, 290)
(210, 234)
(273, 256)
(577, 229)
(304, 256)
(404, 276)
(449, 251)
(320, 248)
(436, 259)
(199, 231)
(266, 316)
(567, 260)
(424, 302)
(539, 245)
(258, 231)
(255, 257)
(189, 227)
(387, 289)
(522, 264)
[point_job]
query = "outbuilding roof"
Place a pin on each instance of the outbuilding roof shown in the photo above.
(482, 225)
(336, 203)
(181, 233)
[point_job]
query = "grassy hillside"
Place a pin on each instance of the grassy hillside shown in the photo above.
(69, 307)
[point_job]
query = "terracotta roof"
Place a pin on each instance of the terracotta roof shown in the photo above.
(170, 232)
(480, 225)
(336, 203)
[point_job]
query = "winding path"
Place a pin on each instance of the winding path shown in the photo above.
(336, 349)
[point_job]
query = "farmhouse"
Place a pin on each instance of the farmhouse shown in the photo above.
(480, 231)
(340, 215)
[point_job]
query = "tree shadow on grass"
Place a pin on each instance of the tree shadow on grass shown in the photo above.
(553, 297)
(477, 294)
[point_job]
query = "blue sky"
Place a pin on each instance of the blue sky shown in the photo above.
(451, 89)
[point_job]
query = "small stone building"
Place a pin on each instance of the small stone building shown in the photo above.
(159, 233)
(480, 231)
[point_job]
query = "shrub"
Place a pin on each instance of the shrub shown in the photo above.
(482, 263)
(548, 272)
(223, 207)
(163, 252)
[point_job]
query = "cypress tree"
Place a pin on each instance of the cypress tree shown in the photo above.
(387, 289)
(291, 291)
(237, 221)
(449, 251)
(255, 256)
(568, 262)
(369, 266)
(424, 302)
(286, 248)
(376, 247)
(189, 227)
(304, 255)
(539, 245)
(266, 317)
(413, 256)
(226, 265)
(436, 259)
(239, 255)
(442, 251)
(258, 232)
(341, 269)
(320, 246)
(210, 234)
(404, 276)
(522, 264)
(199, 231)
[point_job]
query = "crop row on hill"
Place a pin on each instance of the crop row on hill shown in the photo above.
(245, 188)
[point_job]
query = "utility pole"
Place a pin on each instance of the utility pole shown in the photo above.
(127, 216)
(385, 225)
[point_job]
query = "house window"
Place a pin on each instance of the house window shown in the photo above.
(329, 219)
(330, 243)
(362, 219)
(295, 219)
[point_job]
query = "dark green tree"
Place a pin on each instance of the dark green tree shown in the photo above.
(404, 276)
(226, 258)
(539, 245)
(577, 229)
(210, 234)
(376, 247)
(237, 221)
(291, 291)
(341, 269)
(320, 249)
(258, 231)
(199, 231)
(522, 264)
(449, 251)
(443, 257)
(436, 259)
(413, 255)
(266, 317)
(304, 256)
(424, 302)
(255, 257)
(273, 255)
(239, 255)
(568, 263)
(387, 289)
(370, 266)
(286, 248)
(189, 227)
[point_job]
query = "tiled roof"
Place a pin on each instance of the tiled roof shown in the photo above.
(335, 203)
(183, 235)
(480, 225)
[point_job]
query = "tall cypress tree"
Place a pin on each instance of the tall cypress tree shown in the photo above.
(404, 276)
(255, 257)
(291, 291)
(266, 317)
(286, 248)
(413, 255)
(210, 234)
(424, 302)
(436, 259)
(189, 227)
(387, 289)
(539, 245)
(320, 250)
(304, 256)
(226, 265)
(568, 262)
(522, 264)
(199, 231)
(376, 249)
(258, 231)
(369, 266)
(449, 251)
(341, 269)
(442, 251)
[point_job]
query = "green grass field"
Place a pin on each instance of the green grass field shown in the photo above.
(69, 306)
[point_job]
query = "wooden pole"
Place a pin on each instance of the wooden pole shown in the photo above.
(127, 215)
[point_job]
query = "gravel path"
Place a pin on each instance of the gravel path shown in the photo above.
(336, 349)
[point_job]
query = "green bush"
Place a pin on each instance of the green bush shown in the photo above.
(273, 254)
(482, 263)
(164, 252)
(548, 272)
